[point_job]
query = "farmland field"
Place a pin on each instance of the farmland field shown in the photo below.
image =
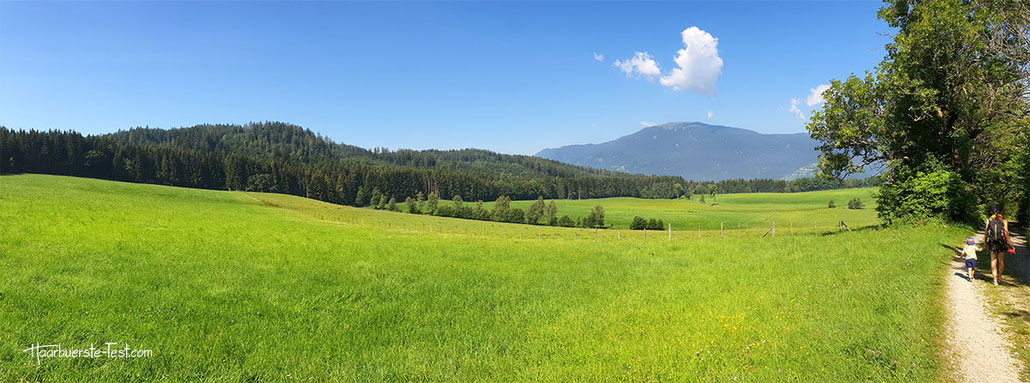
(246, 286)
(751, 210)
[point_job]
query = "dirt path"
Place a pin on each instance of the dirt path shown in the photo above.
(980, 351)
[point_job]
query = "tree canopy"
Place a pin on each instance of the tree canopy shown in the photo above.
(947, 107)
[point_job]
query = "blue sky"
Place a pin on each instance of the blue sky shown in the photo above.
(509, 77)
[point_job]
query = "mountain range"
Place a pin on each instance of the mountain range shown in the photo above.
(698, 151)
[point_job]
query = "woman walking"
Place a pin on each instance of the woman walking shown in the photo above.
(997, 242)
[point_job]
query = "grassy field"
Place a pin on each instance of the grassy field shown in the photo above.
(806, 211)
(229, 286)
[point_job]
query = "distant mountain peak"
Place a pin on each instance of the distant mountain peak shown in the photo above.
(698, 151)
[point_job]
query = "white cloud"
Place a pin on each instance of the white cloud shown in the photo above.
(647, 123)
(794, 108)
(699, 64)
(641, 63)
(709, 115)
(599, 57)
(816, 97)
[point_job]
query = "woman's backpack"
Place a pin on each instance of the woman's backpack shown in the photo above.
(995, 230)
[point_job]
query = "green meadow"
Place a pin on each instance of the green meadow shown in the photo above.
(806, 211)
(230, 286)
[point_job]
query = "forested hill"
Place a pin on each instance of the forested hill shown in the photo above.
(285, 158)
(281, 141)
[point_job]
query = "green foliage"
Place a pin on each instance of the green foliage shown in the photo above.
(225, 156)
(392, 205)
(832, 204)
(500, 210)
(926, 192)
(376, 196)
(551, 213)
(595, 218)
(945, 108)
(432, 203)
(566, 221)
(261, 183)
(640, 223)
(479, 212)
(413, 206)
(361, 198)
(317, 188)
(535, 212)
(1023, 214)
(515, 216)
(855, 204)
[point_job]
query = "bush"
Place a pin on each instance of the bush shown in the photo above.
(515, 215)
(566, 221)
(595, 218)
(639, 223)
(413, 206)
(926, 192)
(855, 204)
(832, 204)
(656, 224)
(446, 211)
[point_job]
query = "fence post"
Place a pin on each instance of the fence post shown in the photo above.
(774, 228)
(645, 233)
(595, 233)
(539, 234)
(670, 231)
(619, 234)
(556, 233)
(791, 227)
(740, 234)
(699, 230)
(722, 231)
(520, 235)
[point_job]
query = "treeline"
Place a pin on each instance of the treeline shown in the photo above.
(793, 186)
(336, 179)
(539, 213)
(283, 158)
(640, 223)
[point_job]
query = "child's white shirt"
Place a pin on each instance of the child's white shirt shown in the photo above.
(970, 251)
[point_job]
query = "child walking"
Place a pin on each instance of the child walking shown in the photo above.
(970, 253)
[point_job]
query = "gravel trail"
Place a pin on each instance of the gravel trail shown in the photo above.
(979, 349)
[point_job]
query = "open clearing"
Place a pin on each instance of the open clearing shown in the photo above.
(807, 211)
(231, 286)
